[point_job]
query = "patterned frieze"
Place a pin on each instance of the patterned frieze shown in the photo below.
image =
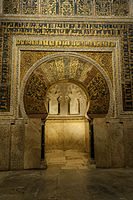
(68, 7)
(73, 29)
(65, 43)
(121, 31)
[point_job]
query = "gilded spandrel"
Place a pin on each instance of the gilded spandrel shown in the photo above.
(50, 70)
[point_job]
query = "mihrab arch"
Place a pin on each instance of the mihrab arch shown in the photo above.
(67, 66)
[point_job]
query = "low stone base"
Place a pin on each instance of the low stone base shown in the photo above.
(43, 164)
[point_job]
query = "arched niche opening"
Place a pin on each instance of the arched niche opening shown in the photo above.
(74, 72)
(66, 127)
(66, 99)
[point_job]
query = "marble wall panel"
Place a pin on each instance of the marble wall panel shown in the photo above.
(102, 143)
(4, 145)
(54, 135)
(74, 135)
(128, 143)
(87, 137)
(117, 143)
(17, 145)
(66, 134)
(32, 154)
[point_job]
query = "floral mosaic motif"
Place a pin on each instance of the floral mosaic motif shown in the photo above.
(35, 92)
(48, 7)
(66, 7)
(121, 7)
(29, 6)
(99, 95)
(11, 6)
(103, 7)
(84, 7)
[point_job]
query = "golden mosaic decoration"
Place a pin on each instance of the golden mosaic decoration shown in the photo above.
(66, 68)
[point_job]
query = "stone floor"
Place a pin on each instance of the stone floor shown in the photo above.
(69, 159)
(62, 184)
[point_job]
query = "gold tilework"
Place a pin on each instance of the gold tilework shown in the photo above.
(66, 7)
(66, 68)
(29, 6)
(84, 7)
(121, 7)
(121, 31)
(11, 7)
(48, 7)
(103, 7)
(28, 58)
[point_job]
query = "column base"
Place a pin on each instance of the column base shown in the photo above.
(43, 164)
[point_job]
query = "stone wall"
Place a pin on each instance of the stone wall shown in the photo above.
(11, 144)
(17, 145)
(32, 154)
(67, 134)
(102, 143)
(20, 144)
(5, 146)
(113, 143)
(128, 142)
